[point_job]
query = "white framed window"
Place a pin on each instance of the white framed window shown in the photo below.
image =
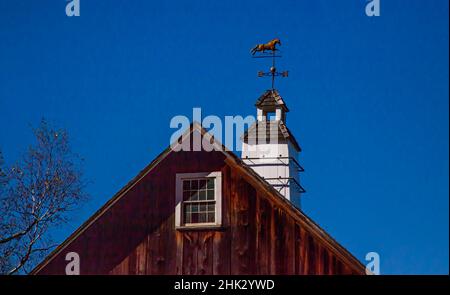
(198, 199)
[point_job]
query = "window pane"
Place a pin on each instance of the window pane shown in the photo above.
(202, 195)
(194, 208)
(194, 218)
(194, 184)
(186, 185)
(211, 207)
(210, 194)
(186, 195)
(202, 217)
(211, 217)
(210, 183)
(194, 195)
(202, 184)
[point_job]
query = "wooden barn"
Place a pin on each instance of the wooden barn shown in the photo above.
(211, 212)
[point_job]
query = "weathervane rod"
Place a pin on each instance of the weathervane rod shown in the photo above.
(273, 69)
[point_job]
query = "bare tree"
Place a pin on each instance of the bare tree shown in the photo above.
(36, 194)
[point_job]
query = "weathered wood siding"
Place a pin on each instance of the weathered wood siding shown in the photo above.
(137, 234)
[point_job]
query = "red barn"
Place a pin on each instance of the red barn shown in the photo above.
(210, 212)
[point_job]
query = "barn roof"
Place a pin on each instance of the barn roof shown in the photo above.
(250, 175)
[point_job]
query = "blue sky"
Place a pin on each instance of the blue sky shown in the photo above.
(368, 100)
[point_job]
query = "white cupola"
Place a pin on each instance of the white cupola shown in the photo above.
(271, 150)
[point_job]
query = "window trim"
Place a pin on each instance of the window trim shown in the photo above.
(217, 175)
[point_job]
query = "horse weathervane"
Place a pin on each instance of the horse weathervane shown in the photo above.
(272, 47)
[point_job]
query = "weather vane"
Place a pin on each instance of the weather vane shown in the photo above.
(270, 46)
